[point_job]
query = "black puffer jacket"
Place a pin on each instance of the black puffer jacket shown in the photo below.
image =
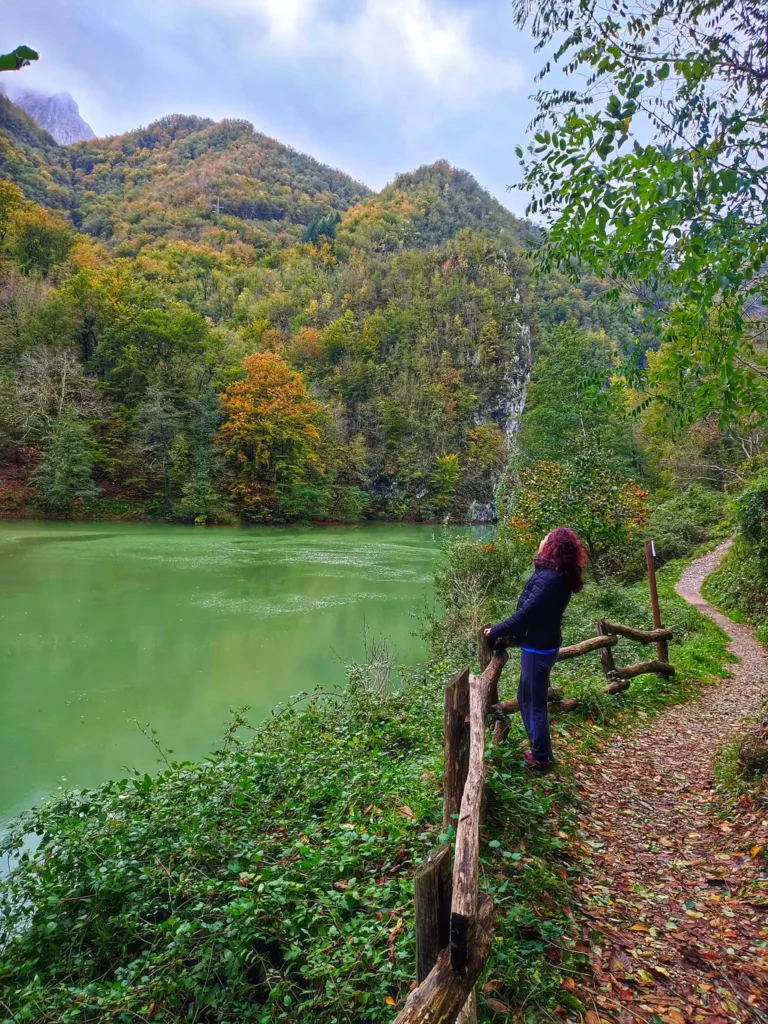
(539, 617)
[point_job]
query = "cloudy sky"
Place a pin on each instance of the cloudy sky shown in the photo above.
(371, 86)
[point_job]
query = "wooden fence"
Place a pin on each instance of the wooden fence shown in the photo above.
(454, 920)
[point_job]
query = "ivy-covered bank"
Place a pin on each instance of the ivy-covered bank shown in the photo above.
(272, 882)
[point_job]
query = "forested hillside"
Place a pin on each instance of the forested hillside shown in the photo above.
(200, 323)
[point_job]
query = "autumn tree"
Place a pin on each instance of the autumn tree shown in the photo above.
(37, 239)
(11, 199)
(588, 494)
(445, 480)
(271, 432)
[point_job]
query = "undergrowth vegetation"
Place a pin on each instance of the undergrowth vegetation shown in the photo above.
(741, 767)
(739, 586)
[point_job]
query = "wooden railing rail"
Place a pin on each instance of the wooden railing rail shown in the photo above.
(644, 636)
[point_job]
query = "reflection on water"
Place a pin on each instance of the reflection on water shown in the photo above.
(175, 626)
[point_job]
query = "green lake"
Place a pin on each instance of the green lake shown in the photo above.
(104, 623)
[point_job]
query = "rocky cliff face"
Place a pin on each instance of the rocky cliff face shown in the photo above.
(59, 115)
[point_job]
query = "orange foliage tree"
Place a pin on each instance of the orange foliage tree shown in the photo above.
(271, 432)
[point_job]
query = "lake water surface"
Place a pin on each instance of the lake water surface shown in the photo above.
(103, 623)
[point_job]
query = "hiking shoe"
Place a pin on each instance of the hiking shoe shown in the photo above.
(536, 766)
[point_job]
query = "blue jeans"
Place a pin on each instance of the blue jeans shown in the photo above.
(532, 697)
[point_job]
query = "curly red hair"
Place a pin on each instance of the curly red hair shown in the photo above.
(563, 550)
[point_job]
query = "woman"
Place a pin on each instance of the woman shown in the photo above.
(536, 629)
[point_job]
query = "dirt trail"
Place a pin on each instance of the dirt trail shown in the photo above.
(679, 894)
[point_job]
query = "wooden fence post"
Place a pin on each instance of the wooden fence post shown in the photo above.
(484, 652)
(484, 655)
(606, 654)
(433, 886)
(456, 730)
(467, 856)
(468, 1012)
(439, 999)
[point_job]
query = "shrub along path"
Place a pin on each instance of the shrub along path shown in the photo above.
(674, 893)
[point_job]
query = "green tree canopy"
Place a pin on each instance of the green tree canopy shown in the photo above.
(650, 166)
(573, 398)
(65, 473)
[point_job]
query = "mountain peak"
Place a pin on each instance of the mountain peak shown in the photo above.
(58, 114)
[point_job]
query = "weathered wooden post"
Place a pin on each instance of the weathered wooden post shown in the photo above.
(432, 894)
(467, 855)
(440, 998)
(456, 731)
(468, 1012)
(484, 652)
(484, 655)
(662, 648)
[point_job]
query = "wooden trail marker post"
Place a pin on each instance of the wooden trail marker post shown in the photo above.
(662, 648)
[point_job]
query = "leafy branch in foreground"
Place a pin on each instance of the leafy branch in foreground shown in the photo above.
(19, 58)
(653, 169)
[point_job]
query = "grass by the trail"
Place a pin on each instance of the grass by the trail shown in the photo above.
(272, 882)
(737, 588)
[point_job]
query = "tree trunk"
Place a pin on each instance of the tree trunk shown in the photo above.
(606, 654)
(661, 668)
(585, 646)
(510, 707)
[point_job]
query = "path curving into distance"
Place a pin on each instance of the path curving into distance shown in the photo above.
(678, 893)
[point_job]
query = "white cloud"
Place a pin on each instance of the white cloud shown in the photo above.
(285, 20)
(417, 50)
(434, 45)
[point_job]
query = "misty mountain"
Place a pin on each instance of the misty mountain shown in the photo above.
(59, 114)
